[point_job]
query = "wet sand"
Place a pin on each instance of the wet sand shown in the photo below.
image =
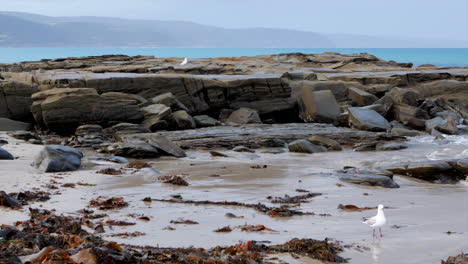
(424, 211)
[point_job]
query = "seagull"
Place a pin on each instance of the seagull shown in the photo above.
(184, 62)
(377, 221)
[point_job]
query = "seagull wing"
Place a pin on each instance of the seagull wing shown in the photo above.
(370, 220)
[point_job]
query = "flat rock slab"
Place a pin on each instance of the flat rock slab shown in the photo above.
(267, 135)
(365, 179)
(12, 125)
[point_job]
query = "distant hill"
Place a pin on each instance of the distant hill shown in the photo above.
(30, 30)
(27, 30)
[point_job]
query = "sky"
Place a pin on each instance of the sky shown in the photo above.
(434, 19)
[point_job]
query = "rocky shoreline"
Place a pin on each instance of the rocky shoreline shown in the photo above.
(119, 107)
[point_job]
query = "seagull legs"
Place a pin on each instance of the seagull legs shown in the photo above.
(380, 230)
(373, 233)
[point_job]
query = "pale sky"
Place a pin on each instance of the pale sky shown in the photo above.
(435, 19)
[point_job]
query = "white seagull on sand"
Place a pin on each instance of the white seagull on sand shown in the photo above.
(377, 221)
(184, 62)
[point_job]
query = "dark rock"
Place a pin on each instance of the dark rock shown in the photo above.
(218, 154)
(365, 119)
(7, 201)
(56, 158)
(304, 146)
(320, 140)
(5, 155)
(24, 135)
(404, 96)
(11, 125)
(205, 121)
(365, 146)
(244, 116)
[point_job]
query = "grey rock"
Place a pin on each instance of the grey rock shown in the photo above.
(137, 150)
(205, 121)
(243, 149)
(5, 155)
(304, 146)
(56, 158)
(368, 179)
(7, 201)
(379, 108)
(365, 119)
(320, 140)
(11, 125)
(410, 116)
(445, 126)
(319, 106)
(24, 135)
(274, 151)
(183, 120)
(163, 144)
(390, 146)
(244, 116)
(365, 146)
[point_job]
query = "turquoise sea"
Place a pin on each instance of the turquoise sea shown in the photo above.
(439, 57)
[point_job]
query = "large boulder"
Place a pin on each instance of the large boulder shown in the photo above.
(404, 96)
(56, 158)
(365, 119)
(11, 125)
(244, 116)
(320, 106)
(360, 97)
(5, 155)
(15, 100)
(305, 146)
(183, 120)
(63, 110)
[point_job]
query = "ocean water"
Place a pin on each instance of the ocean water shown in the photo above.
(438, 57)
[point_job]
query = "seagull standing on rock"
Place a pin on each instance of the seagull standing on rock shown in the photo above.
(184, 62)
(377, 221)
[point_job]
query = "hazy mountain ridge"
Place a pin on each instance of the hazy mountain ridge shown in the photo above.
(30, 30)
